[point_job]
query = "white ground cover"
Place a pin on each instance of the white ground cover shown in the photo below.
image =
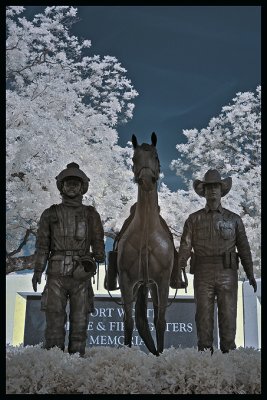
(124, 370)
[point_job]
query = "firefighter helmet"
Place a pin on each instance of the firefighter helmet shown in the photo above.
(73, 170)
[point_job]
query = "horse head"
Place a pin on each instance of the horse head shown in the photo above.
(146, 166)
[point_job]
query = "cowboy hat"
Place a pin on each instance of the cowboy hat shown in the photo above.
(212, 176)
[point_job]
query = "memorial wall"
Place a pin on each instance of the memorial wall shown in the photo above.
(25, 322)
(105, 326)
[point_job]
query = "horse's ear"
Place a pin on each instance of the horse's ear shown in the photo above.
(134, 141)
(154, 139)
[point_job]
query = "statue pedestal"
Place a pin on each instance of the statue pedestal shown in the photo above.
(105, 326)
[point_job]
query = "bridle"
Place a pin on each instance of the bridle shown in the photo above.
(137, 172)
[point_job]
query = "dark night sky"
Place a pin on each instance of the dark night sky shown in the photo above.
(186, 62)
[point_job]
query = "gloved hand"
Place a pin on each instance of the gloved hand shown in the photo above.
(88, 264)
(37, 277)
(253, 283)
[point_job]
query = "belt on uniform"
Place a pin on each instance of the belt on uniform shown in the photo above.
(209, 259)
(69, 252)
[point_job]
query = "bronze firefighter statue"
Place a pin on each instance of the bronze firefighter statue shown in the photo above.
(70, 238)
(211, 237)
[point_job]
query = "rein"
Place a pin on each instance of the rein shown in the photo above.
(130, 302)
(147, 269)
(137, 174)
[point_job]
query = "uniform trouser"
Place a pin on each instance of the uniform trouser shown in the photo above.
(57, 292)
(211, 281)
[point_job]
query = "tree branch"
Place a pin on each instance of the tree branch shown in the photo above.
(14, 47)
(175, 232)
(22, 244)
(234, 149)
(19, 263)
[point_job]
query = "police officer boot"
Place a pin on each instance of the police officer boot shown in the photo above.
(226, 347)
(110, 282)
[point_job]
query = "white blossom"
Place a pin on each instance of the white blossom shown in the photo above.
(231, 144)
(124, 370)
(62, 107)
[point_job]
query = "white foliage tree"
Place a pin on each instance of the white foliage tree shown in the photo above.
(61, 106)
(232, 144)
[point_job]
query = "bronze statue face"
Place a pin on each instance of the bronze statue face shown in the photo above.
(213, 191)
(72, 187)
(146, 166)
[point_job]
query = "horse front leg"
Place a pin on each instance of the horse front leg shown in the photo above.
(127, 304)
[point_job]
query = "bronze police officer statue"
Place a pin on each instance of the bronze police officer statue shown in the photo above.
(214, 233)
(66, 235)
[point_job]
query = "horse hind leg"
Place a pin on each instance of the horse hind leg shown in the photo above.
(141, 319)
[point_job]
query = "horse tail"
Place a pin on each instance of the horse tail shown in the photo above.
(141, 321)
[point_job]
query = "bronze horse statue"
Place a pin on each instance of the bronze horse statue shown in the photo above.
(145, 253)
